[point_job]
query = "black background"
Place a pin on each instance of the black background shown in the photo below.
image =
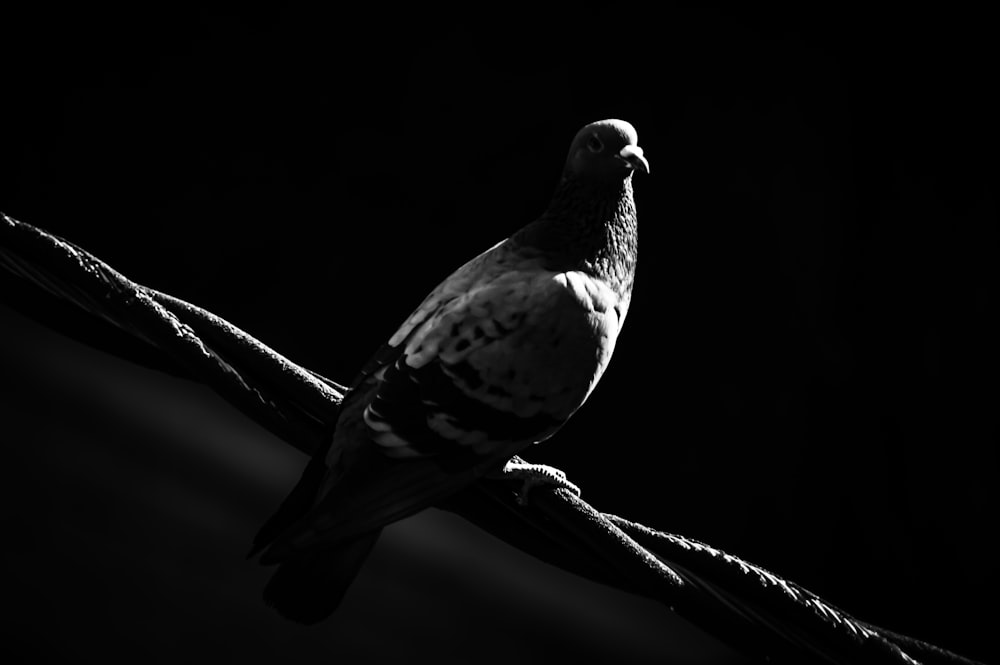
(807, 378)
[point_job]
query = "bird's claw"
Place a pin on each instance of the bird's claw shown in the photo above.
(536, 475)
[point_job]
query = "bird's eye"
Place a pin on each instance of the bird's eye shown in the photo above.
(594, 144)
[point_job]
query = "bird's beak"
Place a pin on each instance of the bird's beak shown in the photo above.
(632, 155)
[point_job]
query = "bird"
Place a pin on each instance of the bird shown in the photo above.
(495, 359)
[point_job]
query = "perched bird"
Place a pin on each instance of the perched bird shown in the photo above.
(496, 358)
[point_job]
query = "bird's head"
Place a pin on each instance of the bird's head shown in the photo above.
(605, 151)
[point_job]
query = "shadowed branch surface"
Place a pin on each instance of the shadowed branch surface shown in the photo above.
(753, 610)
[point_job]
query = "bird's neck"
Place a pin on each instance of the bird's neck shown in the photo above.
(588, 229)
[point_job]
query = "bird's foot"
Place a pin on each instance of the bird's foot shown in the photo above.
(535, 475)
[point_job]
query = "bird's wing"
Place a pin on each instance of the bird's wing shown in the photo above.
(475, 379)
(503, 362)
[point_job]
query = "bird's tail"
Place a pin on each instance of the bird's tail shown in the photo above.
(308, 587)
(294, 507)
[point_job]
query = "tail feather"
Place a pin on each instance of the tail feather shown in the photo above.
(294, 507)
(307, 587)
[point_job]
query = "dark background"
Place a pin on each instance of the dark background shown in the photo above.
(807, 378)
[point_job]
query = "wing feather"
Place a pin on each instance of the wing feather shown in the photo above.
(470, 379)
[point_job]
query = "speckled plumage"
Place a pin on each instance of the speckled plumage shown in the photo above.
(496, 358)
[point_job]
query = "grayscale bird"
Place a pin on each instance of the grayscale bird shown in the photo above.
(496, 358)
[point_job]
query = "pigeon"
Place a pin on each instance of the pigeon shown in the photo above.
(495, 359)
